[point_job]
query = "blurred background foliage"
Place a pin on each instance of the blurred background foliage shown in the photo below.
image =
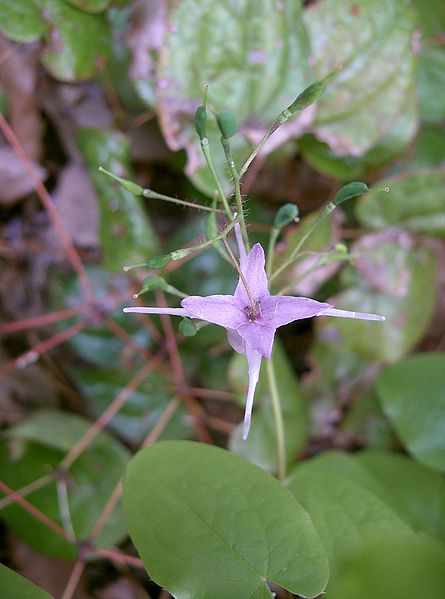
(85, 83)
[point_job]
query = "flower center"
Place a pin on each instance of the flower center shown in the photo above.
(251, 310)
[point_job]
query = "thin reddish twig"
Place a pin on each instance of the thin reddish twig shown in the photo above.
(161, 423)
(52, 211)
(124, 336)
(7, 53)
(114, 555)
(35, 485)
(113, 500)
(74, 579)
(32, 510)
(109, 413)
(39, 321)
(33, 354)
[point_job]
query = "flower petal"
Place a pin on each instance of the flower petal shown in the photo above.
(349, 314)
(255, 275)
(154, 310)
(282, 309)
(236, 341)
(224, 310)
(254, 362)
(258, 336)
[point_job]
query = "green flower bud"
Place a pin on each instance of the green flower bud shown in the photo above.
(351, 190)
(310, 95)
(150, 284)
(227, 124)
(201, 121)
(158, 261)
(133, 188)
(188, 328)
(285, 215)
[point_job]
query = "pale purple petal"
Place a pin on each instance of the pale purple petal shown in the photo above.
(283, 309)
(258, 336)
(236, 341)
(255, 276)
(150, 310)
(349, 314)
(254, 363)
(224, 310)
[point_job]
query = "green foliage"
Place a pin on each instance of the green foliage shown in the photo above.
(75, 42)
(15, 586)
(35, 448)
(412, 396)
(126, 233)
(209, 524)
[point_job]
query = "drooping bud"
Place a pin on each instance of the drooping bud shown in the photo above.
(227, 124)
(150, 284)
(188, 328)
(130, 186)
(158, 261)
(351, 190)
(285, 215)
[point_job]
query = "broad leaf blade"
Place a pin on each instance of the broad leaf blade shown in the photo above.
(210, 525)
(14, 586)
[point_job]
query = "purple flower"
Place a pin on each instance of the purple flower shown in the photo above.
(251, 316)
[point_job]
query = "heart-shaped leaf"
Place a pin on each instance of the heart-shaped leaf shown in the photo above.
(211, 525)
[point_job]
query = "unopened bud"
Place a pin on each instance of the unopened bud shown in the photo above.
(285, 215)
(351, 190)
(227, 124)
(130, 186)
(150, 284)
(188, 328)
(158, 261)
(201, 121)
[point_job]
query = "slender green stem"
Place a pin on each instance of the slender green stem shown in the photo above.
(208, 157)
(270, 250)
(279, 423)
(154, 195)
(281, 119)
(322, 215)
(236, 183)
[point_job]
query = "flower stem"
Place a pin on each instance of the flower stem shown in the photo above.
(236, 182)
(208, 157)
(270, 249)
(278, 416)
(322, 215)
(282, 118)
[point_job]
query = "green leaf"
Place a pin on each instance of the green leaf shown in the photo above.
(75, 43)
(33, 449)
(15, 586)
(235, 47)
(126, 233)
(394, 278)
(90, 5)
(141, 411)
(412, 395)
(260, 446)
(415, 202)
(415, 492)
(391, 566)
(371, 40)
(344, 512)
(210, 525)
(429, 151)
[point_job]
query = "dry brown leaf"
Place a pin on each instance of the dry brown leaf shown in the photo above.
(15, 182)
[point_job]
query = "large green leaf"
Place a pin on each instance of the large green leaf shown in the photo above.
(413, 398)
(251, 53)
(211, 525)
(126, 234)
(391, 566)
(35, 447)
(371, 40)
(395, 279)
(261, 445)
(415, 202)
(14, 586)
(344, 512)
(75, 43)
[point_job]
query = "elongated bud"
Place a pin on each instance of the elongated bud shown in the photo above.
(188, 328)
(351, 190)
(130, 186)
(158, 261)
(285, 215)
(227, 124)
(201, 121)
(150, 284)
(311, 94)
